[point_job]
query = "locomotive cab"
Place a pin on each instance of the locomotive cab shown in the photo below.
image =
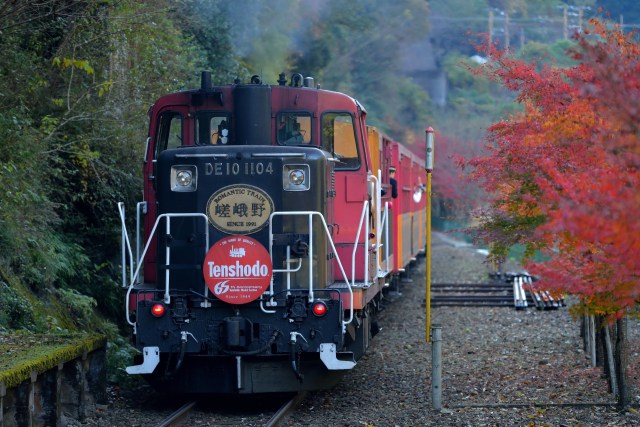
(256, 273)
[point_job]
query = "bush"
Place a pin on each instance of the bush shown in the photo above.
(81, 307)
(17, 313)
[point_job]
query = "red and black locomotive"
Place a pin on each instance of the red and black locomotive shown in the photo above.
(269, 232)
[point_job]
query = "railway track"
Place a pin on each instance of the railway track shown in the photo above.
(178, 417)
(286, 409)
(513, 290)
(471, 294)
(183, 415)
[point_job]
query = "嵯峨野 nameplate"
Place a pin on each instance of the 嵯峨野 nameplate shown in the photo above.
(239, 209)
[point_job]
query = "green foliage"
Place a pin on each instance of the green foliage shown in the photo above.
(120, 354)
(454, 22)
(473, 94)
(263, 34)
(16, 311)
(81, 307)
(73, 98)
(209, 29)
(555, 54)
(353, 47)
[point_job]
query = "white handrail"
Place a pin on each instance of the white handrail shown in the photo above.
(167, 298)
(365, 211)
(386, 234)
(126, 246)
(382, 225)
(310, 214)
(135, 274)
(141, 208)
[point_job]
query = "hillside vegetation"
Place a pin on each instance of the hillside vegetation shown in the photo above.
(77, 78)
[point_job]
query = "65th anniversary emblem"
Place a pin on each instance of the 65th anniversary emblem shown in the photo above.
(237, 269)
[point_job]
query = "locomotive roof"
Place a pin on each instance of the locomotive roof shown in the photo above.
(224, 88)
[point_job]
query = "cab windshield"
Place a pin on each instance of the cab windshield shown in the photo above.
(339, 138)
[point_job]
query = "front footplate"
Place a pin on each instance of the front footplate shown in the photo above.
(151, 359)
(329, 357)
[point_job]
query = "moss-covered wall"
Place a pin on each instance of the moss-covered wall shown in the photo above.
(22, 354)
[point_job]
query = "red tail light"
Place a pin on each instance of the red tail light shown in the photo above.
(157, 310)
(319, 309)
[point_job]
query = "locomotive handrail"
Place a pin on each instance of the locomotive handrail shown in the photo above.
(126, 246)
(382, 224)
(378, 199)
(289, 270)
(365, 211)
(386, 235)
(310, 215)
(141, 208)
(167, 298)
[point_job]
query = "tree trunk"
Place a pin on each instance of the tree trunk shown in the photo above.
(610, 362)
(600, 354)
(621, 363)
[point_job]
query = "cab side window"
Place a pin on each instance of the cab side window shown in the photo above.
(169, 132)
(339, 138)
(212, 128)
(294, 128)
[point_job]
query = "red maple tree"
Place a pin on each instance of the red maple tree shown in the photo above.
(564, 172)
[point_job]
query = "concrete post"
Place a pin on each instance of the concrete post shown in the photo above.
(436, 366)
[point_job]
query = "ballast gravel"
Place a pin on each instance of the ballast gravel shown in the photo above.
(500, 367)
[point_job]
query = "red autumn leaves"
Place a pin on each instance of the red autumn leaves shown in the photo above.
(564, 172)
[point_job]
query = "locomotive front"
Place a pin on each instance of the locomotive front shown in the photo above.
(237, 293)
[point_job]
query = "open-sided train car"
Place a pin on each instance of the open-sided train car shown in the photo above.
(406, 203)
(263, 255)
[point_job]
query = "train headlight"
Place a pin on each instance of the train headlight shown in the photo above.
(295, 177)
(184, 178)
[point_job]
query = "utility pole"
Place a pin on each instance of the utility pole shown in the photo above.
(506, 30)
(580, 12)
(565, 23)
(490, 27)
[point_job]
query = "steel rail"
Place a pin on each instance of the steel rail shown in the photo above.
(286, 409)
(178, 416)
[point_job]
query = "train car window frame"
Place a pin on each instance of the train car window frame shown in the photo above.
(294, 128)
(328, 140)
(216, 129)
(165, 132)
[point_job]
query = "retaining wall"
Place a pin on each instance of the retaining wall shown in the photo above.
(53, 388)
